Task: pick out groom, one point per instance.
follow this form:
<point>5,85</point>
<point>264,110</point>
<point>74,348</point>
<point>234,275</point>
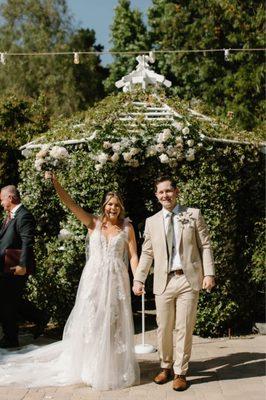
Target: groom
<point>178,242</point>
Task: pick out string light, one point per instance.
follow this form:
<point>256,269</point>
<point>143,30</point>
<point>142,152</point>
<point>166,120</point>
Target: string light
<point>2,58</point>
<point>76,58</point>
<point>204,51</point>
<point>227,54</point>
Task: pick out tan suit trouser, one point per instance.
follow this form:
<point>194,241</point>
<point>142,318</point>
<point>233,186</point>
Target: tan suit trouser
<point>176,310</point>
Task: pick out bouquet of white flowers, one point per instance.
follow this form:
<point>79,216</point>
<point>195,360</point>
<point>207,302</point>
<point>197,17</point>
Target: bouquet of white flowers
<point>50,158</point>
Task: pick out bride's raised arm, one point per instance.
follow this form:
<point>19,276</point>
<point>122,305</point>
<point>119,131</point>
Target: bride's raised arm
<point>83,216</point>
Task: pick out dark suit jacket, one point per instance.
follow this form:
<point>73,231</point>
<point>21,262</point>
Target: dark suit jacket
<point>19,234</point>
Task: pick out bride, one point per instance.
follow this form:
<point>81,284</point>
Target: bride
<point>97,346</point>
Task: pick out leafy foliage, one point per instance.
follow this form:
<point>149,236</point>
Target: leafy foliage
<point>224,181</point>
<point>20,119</point>
<point>45,26</point>
<point>234,86</point>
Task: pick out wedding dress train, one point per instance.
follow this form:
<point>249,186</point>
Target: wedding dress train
<point>97,346</point>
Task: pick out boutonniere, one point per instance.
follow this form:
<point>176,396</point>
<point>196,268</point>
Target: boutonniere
<point>185,218</point>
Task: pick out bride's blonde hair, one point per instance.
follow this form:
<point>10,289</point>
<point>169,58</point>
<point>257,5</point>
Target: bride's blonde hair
<point>106,198</point>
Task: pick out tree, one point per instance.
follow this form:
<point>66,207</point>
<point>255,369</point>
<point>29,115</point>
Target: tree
<point>20,119</point>
<point>128,33</point>
<point>235,85</point>
<point>45,26</point>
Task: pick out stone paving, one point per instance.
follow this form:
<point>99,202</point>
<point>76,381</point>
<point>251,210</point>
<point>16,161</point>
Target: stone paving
<point>220,369</point>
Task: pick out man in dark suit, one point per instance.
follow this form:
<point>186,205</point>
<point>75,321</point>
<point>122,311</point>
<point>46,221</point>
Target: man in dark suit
<point>17,232</point>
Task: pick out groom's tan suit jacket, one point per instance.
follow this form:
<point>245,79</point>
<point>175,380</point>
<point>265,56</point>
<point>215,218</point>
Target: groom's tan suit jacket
<point>193,243</point>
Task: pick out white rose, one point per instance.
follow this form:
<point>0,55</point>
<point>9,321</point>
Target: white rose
<point>127,156</point>
<point>107,145</point>
<point>164,158</point>
<point>178,125</point>
<point>190,142</point>
<point>116,147</point>
<point>185,131</point>
<point>102,158</point>
<point>115,157</point>
<point>159,148</point>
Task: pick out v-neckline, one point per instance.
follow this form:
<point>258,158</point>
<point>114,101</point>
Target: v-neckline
<point>110,237</point>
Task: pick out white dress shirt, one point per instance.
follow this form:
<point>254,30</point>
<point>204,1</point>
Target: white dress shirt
<point>13,211</point>
<point>175,260</point>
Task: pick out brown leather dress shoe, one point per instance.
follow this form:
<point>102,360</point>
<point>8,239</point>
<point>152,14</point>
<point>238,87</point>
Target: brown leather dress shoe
<point>163,376</point>
<point>180,383</point>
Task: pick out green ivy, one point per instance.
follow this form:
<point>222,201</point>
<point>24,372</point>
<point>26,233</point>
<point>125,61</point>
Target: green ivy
<point>225,180</point>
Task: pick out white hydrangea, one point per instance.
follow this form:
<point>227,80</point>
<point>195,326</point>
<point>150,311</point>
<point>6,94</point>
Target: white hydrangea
<point>164,158</point>
<point>185,130</point>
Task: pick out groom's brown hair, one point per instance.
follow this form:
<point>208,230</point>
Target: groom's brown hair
<point>163,178</point>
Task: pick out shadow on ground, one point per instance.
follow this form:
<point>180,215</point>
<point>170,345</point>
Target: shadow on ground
<point>233,366</point>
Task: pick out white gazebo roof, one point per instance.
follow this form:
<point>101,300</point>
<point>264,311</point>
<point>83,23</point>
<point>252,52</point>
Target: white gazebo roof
<point>152,111</point>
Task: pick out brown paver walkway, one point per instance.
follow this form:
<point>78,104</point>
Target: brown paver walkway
<point>220,369</point>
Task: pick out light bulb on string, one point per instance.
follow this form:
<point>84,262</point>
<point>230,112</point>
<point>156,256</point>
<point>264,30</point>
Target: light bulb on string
<point>2,58</point>
<point>76,57</point>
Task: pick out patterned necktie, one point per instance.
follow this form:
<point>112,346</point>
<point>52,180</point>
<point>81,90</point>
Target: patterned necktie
<point>169,238</point>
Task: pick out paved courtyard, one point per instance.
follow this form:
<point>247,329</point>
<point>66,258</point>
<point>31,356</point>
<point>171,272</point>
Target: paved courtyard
<point>220,369</point>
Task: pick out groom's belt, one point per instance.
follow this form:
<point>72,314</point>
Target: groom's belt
<point>176,272</point>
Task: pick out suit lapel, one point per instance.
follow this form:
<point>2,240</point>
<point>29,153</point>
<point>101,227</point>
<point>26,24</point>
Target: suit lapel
<point>161,230</point>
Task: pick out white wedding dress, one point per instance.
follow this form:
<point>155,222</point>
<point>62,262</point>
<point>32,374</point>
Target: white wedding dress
<point>97,346</point>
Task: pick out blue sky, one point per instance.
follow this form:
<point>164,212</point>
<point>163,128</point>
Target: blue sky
<point>98,15</point>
